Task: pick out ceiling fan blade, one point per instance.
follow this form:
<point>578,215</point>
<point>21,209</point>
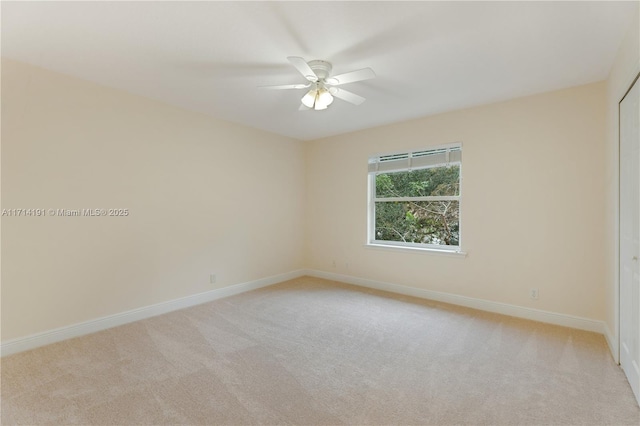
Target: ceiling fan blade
<point>345,95</point>
<point>303,68</point>
<point>351,77</point>
<point>303,107</point>
<point>286,86</point>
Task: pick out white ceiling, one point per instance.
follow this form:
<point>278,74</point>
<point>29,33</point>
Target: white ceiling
<point>429,57</point>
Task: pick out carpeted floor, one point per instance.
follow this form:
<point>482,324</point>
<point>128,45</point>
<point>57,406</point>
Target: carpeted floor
<point>315,352</point>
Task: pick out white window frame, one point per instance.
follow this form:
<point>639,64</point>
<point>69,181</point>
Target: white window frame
<point>406,161</point>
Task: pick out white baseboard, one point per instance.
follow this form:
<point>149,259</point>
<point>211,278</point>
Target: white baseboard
<point>470,302</point>
<point>76,330</point>
<point>612,341</point>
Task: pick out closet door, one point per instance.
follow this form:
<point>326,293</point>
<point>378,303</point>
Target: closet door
<point>630,236</point>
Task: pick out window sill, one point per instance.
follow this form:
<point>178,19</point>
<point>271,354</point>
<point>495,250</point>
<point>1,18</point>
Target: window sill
<point>451,253</point>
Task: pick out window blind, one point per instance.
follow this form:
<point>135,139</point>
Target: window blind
<point>416,160</point>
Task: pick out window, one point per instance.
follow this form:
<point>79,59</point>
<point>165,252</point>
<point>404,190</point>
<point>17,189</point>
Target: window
<point>414,199</point>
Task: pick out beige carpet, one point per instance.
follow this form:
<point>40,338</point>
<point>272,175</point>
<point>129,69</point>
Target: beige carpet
<point>312,352</point>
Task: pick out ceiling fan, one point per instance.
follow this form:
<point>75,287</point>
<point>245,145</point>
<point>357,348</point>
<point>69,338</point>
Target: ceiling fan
<point>321,83</point>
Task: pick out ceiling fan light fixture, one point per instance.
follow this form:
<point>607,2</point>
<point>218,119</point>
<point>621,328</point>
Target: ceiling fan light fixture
<point>320,107</point>
<point>309,99</point>
<point>324,97</point>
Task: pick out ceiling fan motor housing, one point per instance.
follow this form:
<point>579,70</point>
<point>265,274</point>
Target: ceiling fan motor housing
<point>321,68</point>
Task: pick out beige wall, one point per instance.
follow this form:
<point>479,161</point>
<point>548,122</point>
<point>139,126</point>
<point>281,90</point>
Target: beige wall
<point>624,70</point>
<point>532,212</point>
<point>205,196</point>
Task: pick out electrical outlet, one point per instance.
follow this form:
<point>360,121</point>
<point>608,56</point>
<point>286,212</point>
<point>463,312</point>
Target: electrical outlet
<point>212,279</point>
<point>533,293</point>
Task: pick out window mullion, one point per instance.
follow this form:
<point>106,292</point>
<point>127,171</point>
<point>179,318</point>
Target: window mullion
<point>425,198</point>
